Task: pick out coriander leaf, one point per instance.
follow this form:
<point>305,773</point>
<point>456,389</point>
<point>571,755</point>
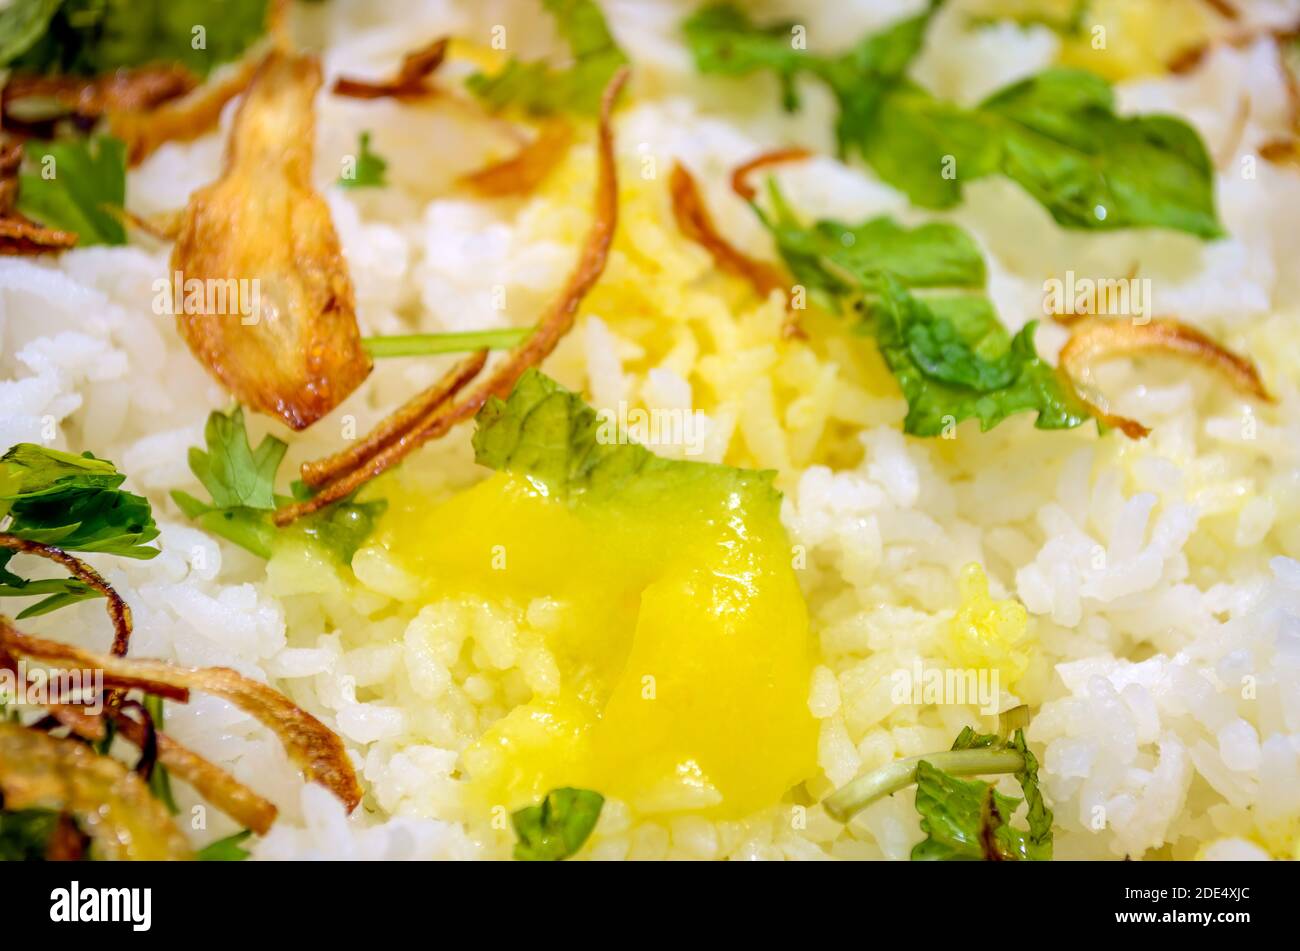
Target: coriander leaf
<point>73,185</point>
<point>241,483</point>
<point>25,834</point>
<point>370,170</point>
<point>724,40</point>
<point>540,89</point>
<point>92,37</point>
<point>553,437</point>
<point>229,849</point>
<point>1038,844</point>
<point>556,828</point>
<point>235,474</point>
<point>39,471</point>
<point>22,23</point>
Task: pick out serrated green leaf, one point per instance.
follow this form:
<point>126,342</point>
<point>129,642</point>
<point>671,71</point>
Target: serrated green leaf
<point>77,186</point>
<point>371,168</point>
<point>538,88</point>
<point>556,828</point>
<point>236,475</point>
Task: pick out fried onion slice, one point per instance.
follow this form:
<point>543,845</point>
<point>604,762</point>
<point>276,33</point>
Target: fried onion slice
<point>262,223</point>
<point>694,221</point>
<point>1096,341</point>
<point>22,236</point>
<point>119,612</point>
<point>523,172</point>
<point>411,81</point>
<point>551,328</point>
<point>740,174</point>
<point>184,118</point>
<point>111,804</point>
<point>140,89</point>
<point>309,743</point>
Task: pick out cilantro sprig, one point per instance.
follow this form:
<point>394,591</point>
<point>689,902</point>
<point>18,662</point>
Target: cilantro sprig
<point>539,88</point>
<point>78,186</point>
<point>371,169</point>
<point>1056,134</point>
<point>963,819</point>
<point>557,827</point>
<point>240,482</point>
<point>71,502</point>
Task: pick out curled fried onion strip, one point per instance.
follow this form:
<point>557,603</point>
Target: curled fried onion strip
<point>523,172</point>
<point>554,324</point>
<point>409,416</point>
<point>309,743</point>
<point>21,236</point>
<point>1100,340</point>
<point>118,610</point>
<point>410,81</point>
<point>740,174</point>
<point>184,118</point>
<point>112,805</point>
<point>694,221</point>
<point>125,90</point>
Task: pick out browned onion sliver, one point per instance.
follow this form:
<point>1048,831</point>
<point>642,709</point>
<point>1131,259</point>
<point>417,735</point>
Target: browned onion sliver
<point>555,323</point>
<point>410,81</point>
<point>1097,340</point>
<point>523,172</point>
<point>740,174</point>
<point>309,743</point>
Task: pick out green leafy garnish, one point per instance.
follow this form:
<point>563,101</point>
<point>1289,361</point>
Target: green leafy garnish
<point>370,170</point>
<point>550,435</point>
<point>1056,134</point>
<point>969,819</point>
<point>91,37</point>
<point>241,483</point>
<point>539,88</point>
<point>74,503</point>
<point>557,827</point>
<point>229,849</point>
<point>25,834</point>
<point>73,186</point>
<point>951,355</point>
<point>160,781</point>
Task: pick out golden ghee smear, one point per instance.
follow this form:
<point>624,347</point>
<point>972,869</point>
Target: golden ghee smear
<point>676,625</point>
<point>987,634</point>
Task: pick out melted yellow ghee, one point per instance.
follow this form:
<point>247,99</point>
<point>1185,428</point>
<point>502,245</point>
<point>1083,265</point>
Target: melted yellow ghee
<point>678,629</point>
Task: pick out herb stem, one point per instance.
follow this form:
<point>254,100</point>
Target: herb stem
<point>850,799</point>
<point>419,345</point>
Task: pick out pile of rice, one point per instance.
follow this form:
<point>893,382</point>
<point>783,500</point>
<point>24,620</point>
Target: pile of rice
<point>1163,643</point>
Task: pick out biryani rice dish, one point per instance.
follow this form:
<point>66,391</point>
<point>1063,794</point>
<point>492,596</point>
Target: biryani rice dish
<point>854,533</point>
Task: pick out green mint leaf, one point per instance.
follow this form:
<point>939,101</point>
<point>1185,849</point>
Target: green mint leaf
<point>557,827</point>
<point>73,185</point>
<point>540,89</point>
<point>962,819</point>
<point>91,37</point>
<point>229,849</point>
<point>1056,134</point>
<point>22,23</point>
<point>25,834</point>
<point>371,168</point>
<point>550,435</point>
<point>954,361</point>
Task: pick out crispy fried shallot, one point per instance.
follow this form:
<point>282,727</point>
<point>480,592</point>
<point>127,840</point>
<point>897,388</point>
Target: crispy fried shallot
<point>1099,340</point>
<point>740,174</point>
<point>111,804</point>
<point>696,223</point>
<point>118,610</point>
<point>411,81</point>
<point>553,325</point>
<point>309,743</point>
<point>184,118</point>
<point>410,414</point>
<point>523,172</point>
<point>263,226</point>
<point>21,236</point>
<point>135,90</point>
